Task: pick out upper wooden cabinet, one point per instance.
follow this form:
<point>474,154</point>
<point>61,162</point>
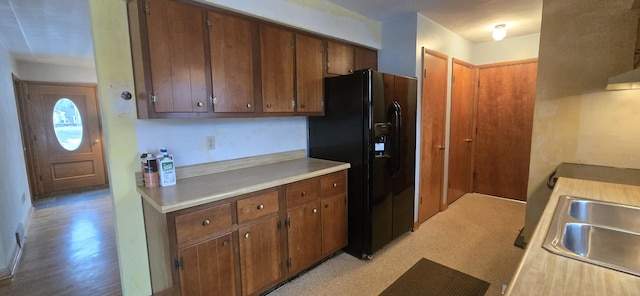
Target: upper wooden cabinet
<point>231,52</point>
<point>366,59</point>
<point>194,61</point>
<point>168,57</point>
<point>340,58</point>
<point>277,60</point>
<point>309,74</point>
<point>343,58</point>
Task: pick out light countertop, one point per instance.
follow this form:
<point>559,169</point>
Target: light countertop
<point>198,190</point>
<point>543,273</point>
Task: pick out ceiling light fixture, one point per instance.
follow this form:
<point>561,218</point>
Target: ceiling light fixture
<point>499,32</point>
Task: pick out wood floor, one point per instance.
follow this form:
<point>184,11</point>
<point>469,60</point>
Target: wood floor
<point>69,250</point>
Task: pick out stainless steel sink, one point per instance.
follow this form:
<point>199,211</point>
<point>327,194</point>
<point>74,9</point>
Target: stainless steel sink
<point>605,214</point>
<point>601,233</point>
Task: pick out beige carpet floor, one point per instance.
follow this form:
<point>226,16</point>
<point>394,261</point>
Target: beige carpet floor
<point>474,235</point>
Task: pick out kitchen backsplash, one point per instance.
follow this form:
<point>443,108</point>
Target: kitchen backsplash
<point>234,138</point>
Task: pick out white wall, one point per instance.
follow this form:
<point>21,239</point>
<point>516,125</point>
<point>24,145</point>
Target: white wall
<point>124,133</point>
<point>509,49</point>
<point>32,71</point>
<point>234,137</point>
<point>397,55</point>
<point>13,175</point>
<point>582,44</point>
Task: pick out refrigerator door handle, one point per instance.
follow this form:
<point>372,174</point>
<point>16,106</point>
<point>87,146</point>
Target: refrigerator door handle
<point>394,115</point>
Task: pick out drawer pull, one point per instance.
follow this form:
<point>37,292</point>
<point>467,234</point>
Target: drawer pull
<point>335,184</point>
<point>246,235</point>
<point>260,207</point>
<point>303,193</point>
<point>206,222</point>
<point>315,210</point>
<point>225,243</point>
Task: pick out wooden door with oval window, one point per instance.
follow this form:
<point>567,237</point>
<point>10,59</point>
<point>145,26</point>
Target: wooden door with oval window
<point>64,132</point>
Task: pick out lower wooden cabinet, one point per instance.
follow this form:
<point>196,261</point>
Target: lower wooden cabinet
<point>246,245</point>
<point>303,236</point>
<point>334,223</point>
<point>260,261</point>
<point>208,268</point>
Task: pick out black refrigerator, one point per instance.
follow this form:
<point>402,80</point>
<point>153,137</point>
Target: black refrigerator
<point>370,122</point>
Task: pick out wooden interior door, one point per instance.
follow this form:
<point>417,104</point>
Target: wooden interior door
<point>68,143</point>
<point>461,131</point>
<point>506,96</point>
<point>434,98</point>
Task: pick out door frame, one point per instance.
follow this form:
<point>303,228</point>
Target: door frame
<point>32,162</point>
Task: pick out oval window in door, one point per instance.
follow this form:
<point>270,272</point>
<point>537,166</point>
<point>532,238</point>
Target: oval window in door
<point>67,124</point>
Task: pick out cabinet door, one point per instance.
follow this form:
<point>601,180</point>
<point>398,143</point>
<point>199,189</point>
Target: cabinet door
<point>309,74</point>
<point>260,261</point>
<point>230,42</point>
<point>277,54</point>
<point>207,268</point>
<point>340,60</point>
<point>334,223</point>
<point>366,59</point>
<point>303,235</point>
<point>177,58</point>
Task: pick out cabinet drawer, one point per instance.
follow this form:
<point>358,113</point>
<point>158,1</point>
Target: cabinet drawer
<point>302,192</point>
<point>257,206</point>
<point>333,184</point>
<point>200,223</point>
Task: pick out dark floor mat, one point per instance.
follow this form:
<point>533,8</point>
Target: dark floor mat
<point>427,278</point>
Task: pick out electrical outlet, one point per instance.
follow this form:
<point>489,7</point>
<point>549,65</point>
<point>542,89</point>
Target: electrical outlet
<point>211,143</point>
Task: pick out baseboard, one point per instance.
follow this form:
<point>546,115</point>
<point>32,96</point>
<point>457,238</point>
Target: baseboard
<point>7,273</point>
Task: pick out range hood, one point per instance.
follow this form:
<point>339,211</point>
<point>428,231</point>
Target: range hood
<point>627,80</point>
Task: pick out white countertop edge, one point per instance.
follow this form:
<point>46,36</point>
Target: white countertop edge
<point>244,190</point>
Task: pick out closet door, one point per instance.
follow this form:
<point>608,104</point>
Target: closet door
<point>461,131</point>
<point>434,98</point>
<point>506,95</point>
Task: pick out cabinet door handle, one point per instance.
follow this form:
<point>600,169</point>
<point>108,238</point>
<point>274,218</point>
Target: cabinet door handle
<point>225,243</point>
<point>200,104</point>
<point>303,193</point>
<point>468,140</point>
<point>301,106</point>
<point>248,105</point>
<point>335,184</point>
<point>268,105</point>
<point>246,235</point>
<point>260,207</point>
<point>315,211</point>
<point>326,206</point>
<point>206,222</point>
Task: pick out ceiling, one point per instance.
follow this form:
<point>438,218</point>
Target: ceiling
<point>471,19</point>
<point>59,32</point>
